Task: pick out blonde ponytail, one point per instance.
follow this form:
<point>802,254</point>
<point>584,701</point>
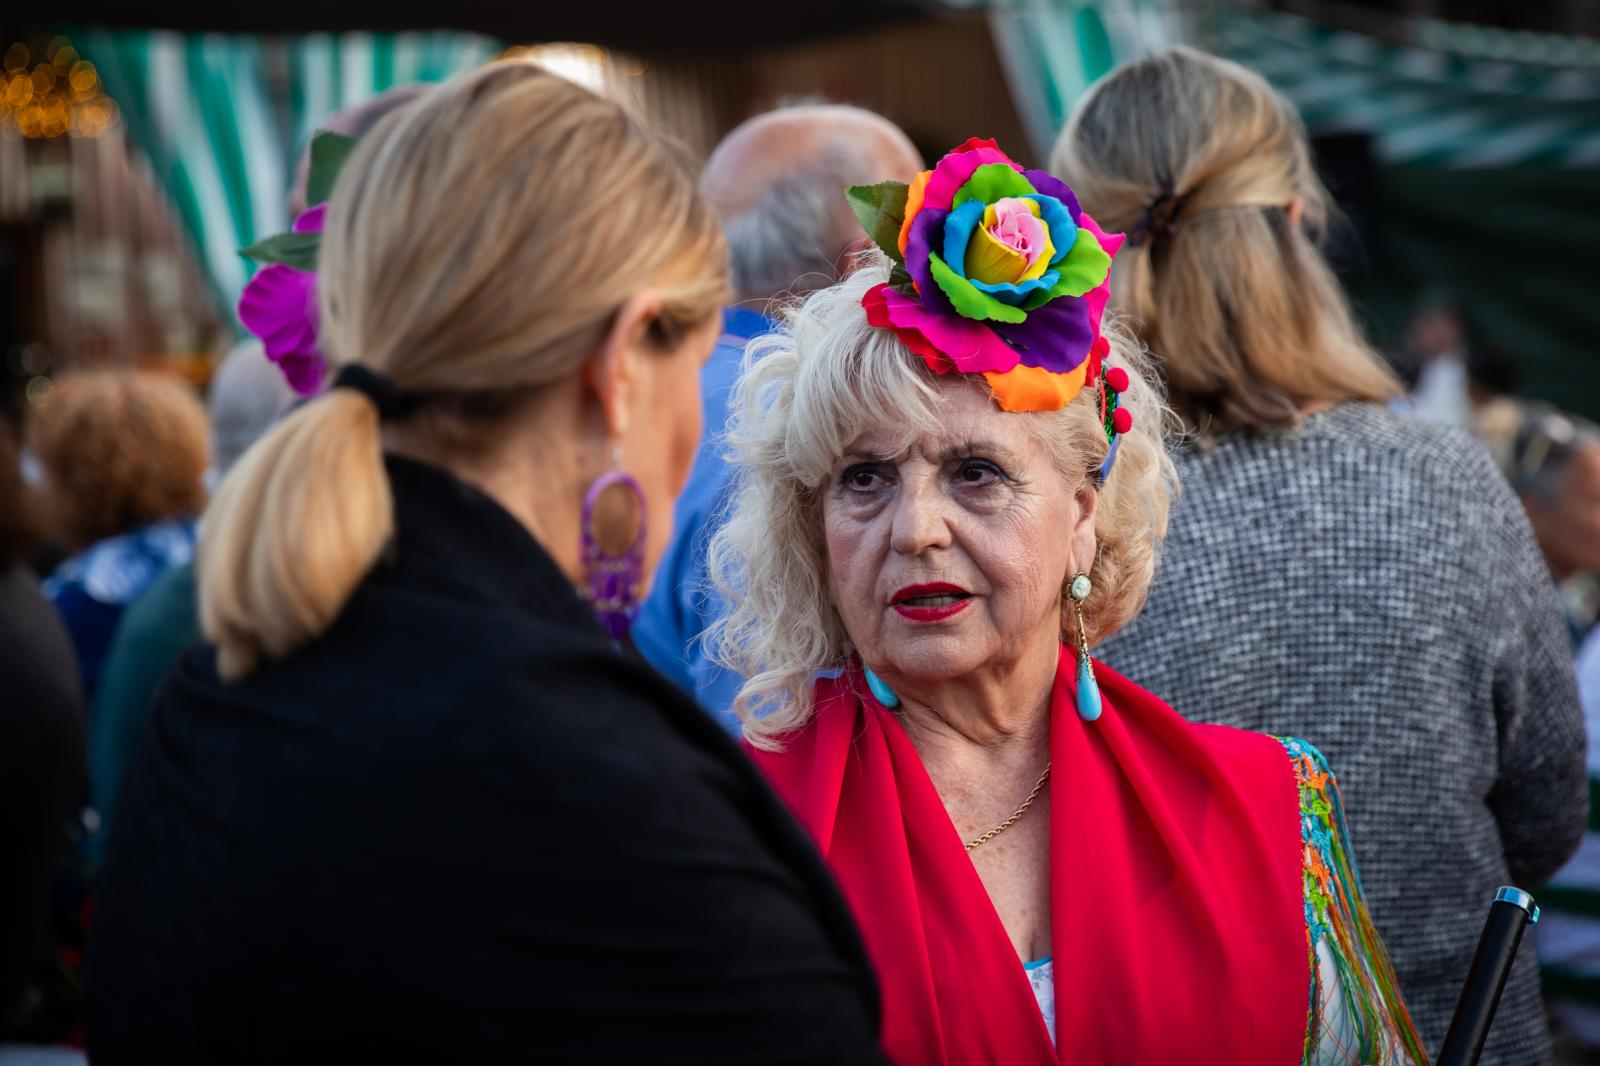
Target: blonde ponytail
<point>294,527</point>
<point>477,244</point>
<point>1243,314</point>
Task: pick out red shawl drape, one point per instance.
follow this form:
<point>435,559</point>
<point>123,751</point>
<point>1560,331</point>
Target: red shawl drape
<point>1177,913</point>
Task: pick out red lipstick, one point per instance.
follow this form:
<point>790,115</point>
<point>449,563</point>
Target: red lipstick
<point>932,602</point>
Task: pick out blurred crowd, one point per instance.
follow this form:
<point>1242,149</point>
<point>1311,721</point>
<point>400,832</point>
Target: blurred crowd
<point>1444,700</point>
<point>1551,459</point>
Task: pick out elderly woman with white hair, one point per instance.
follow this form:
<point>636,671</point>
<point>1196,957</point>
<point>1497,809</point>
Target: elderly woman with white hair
<point>954,483</point>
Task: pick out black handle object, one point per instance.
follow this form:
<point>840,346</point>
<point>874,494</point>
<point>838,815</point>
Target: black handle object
<point>1512,911</point>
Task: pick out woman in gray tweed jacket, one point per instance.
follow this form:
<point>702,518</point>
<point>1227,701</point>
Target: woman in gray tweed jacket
<point>1332,571</point>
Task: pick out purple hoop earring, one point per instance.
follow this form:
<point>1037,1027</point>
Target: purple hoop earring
<point>614,580</point>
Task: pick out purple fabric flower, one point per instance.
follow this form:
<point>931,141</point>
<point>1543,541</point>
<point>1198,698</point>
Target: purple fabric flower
<point>927,235</point>
<point>1051,185</point>
<point>279,305</point>
<point>1055,337</point>
<point>311,219</point>
<point>1010,276</point>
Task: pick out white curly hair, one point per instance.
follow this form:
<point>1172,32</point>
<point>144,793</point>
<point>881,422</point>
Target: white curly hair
<point>811,388</point>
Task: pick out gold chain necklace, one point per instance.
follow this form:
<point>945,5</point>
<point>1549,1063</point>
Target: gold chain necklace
<point>1016,814</point>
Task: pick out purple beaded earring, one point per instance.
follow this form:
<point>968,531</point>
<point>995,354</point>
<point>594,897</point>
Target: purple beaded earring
<point>614,579</point>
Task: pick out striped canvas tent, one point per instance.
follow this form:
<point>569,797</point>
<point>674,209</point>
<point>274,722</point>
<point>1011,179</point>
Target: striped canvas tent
<point>1054,49</point>
<point>1487,151</point>
<point>1468,99</point>
<point>223,118</point>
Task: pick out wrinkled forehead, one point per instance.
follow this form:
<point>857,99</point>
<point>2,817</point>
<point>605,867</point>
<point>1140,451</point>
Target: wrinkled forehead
<point>858,390</point>
<point>965,421</point>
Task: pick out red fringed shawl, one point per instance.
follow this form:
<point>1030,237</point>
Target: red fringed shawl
<point>1177,910</point>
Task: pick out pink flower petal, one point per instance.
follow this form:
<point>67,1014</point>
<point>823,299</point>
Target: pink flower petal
<point>1097,298</point>
<point>1110,243</point>
<point>972,346</point>
<point>1018,228</point>
<point>304,373</point>
<point>953,171</point>
<point>311,219</point>
<point>279,305</point>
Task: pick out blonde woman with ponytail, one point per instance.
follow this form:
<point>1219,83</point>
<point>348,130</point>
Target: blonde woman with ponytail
<point>414,802</point>
<point>1333,570</point>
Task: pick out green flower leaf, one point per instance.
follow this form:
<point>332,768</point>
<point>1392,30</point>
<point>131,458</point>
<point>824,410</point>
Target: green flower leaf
<point>298,250</point>
<point>882,211</point>
<point>329,151</point>
<point>899,278</point>
<point>969,301</point>
<point>991,182</point>
<point>1083,268</point>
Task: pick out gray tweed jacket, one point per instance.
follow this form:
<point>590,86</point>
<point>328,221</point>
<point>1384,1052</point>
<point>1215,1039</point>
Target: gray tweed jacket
<point>1370,584</point>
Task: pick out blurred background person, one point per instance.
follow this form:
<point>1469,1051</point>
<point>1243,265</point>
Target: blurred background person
<point>1555,468</point>
<point>355,121</point>
<point>1492,380</point>
<point>123,455</point>
<point>1437,363</point>
<point>41,768</point>
<point>1333,570</point>
<point>415,804</point>
<point>1569,942</point>
<point>247,395</point>
<point>777,183</point>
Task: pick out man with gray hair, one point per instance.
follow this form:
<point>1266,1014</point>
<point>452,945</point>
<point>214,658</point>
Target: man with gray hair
<point>1554,465</point>
<point>777,182</point>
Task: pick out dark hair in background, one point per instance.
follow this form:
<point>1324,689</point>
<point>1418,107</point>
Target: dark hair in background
<point>19,530</point>
<point>1491,368</point>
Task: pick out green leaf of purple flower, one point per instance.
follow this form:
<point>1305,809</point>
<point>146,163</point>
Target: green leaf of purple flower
<point>329,151</point>
<point>298,250</point>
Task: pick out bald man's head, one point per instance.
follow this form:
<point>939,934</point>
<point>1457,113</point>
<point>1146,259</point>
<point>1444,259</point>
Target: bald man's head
<point>778,182</point>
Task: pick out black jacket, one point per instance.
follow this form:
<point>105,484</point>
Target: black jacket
<point>461,827</point>
<point>41,779</point>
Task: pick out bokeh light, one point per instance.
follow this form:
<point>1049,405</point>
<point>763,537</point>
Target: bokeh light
<point>56,97</point>
<point>582,63</point>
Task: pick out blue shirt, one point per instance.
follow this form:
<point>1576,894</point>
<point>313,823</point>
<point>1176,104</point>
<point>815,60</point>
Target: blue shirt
<point>91,589</point>
<point>681,604</point>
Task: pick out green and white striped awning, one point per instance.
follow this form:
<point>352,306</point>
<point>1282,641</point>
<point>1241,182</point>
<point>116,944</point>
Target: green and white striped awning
<point>1053,50</point>
<point>223,118</point>
<point>1462,96</point>
<point>1463,104</point>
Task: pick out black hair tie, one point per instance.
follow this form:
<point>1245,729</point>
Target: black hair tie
<point>1160,219</point>
<point>375,386</point>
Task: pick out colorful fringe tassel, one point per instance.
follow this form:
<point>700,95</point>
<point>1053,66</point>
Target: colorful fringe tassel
<point>1368,994</point>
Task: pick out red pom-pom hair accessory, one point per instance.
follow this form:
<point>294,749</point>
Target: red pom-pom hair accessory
<point>1115,418</point>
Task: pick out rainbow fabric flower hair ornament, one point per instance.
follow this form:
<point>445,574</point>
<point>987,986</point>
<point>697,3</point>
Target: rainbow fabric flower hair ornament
<point>998,272</point>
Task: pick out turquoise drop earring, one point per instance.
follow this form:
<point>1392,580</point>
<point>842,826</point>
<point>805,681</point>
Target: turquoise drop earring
<point>881,691</point>
<point>1089,706</point>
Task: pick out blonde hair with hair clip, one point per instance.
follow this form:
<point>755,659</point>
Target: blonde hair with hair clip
<point>477,245</point>
<point>809,390</point>
<point>1238,306</point>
